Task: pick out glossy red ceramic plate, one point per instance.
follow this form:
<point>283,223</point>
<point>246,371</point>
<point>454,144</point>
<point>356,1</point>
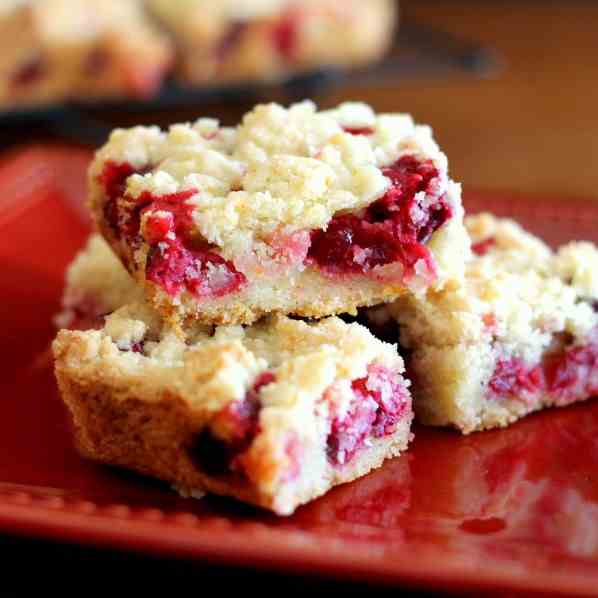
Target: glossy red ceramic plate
<point>506,511</point>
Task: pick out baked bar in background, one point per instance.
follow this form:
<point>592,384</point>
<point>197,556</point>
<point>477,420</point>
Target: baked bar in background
<point>227,40</point>
<point>294,211</point>
<point>59,50</point>
<point>274,414</point>
<point>521,334</point>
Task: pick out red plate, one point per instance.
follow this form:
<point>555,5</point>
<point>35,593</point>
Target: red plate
<point>513,510</point>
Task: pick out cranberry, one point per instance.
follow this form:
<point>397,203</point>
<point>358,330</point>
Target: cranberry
<point>174,266</point>
<point>29,73</point>
<point>512,376</point>
<point>483,247</point>
<point>392,229</point>
<point>113,180</point>
<point>351,244</point>
<point>359,130</point>
<point>285,35</point>
<point>566,374</point>
<point>218,456</point>
<point>570,367</point>
<point>138,346</point>
<point>176,260</point>
<point>178,214</point>
<point>157,227</point>
<point>114,176</point>
<point>348,434</point>
<point>378,404</point>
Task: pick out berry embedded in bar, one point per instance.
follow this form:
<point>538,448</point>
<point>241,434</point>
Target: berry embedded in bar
<point>274,414</point>
<point>521,334</point>
<point>294,211</point>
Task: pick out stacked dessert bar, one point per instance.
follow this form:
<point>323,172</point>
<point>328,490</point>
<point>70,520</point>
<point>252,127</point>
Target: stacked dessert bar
<point>201,338</point>
<point>518,334</point>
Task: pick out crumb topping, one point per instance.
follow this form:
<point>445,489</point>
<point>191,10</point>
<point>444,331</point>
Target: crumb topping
<point>282,168</point>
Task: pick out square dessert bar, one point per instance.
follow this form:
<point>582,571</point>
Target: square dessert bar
<point>230,40</point>
<point>294,211</point>
<point>96,285</point>
<point>58,50</point>
<point>520,334</point>
<point>274,414</point>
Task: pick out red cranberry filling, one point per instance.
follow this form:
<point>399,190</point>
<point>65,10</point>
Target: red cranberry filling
<point>512,376</point>
<point>136,347</point>
<point>358,130</point>
<point>575,369</point>
<point>218,456</point>
<point>567,374</point>
<point>176,266</point>
<point>29,73</point>
<point>113,179</point>
<point>379,402</point>
<point>285,35</point>
<point>392,229</point>
<point>175,261</point>
<point>483,247</point>
<point>170,213</point>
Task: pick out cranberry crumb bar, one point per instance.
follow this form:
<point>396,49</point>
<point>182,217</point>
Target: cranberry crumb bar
<point>521,333</point>
<point>293,211</point>
<point>58,50</point>
<point>256,39</point>
<point>96,285</point>
<point>274,414</point>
